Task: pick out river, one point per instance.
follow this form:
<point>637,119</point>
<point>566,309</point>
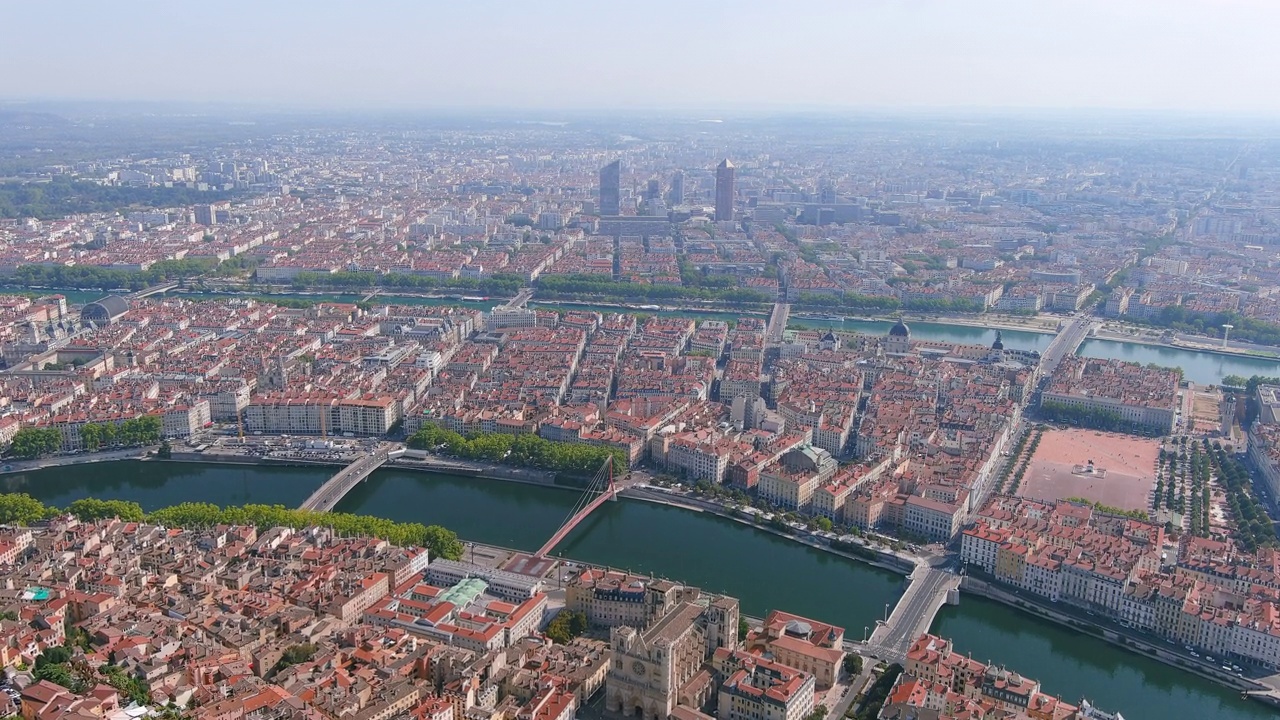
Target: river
<point>763,570</point>
<point>1206,368</point>
<point>1201,367</point>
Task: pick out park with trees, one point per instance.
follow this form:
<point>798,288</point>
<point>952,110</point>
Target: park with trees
<point>525,450</point>
<point>566,626</point>
<point>22,509</point>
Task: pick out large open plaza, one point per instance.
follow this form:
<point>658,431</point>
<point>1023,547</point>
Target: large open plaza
<point>1122,475</point>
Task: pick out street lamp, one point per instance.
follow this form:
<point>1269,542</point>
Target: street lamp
<point>886,613</point>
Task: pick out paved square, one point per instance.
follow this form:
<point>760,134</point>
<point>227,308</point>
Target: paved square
<point>1125,468</point>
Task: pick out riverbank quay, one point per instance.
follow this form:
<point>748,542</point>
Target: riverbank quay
<point>467,468</point>
<point>1044,324</point>
<point>1256,352</point>
<point>883,558</point>
<point>636,307</point>
<point>21,466</point>
<point>1265,689</point>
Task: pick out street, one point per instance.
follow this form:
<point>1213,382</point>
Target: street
<point>891,639</point>
<point>1066,342</point>
<point>332,492</point>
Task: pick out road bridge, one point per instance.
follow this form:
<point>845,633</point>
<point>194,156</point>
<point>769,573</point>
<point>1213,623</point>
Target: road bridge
<point>914,612</point>
<point>328,495</point>
<point>520,300</point>
<point>602,488</point>
<point>154,290</point>
<point>1065,343</point>
<point>777,323</point>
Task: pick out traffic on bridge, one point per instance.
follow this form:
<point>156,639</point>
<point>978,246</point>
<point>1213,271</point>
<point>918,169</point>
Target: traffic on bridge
<point>327,497</point>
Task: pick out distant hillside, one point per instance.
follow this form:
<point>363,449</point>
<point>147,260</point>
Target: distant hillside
<point>24,118</point>
<point>61,197</point>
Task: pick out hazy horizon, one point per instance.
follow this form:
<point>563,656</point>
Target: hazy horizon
<point>1211,57</point>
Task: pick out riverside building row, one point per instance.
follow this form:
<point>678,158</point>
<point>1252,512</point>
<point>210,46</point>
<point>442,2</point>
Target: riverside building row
<point>1198,592</point>
<point>331,369</point>
<point>940,683</point>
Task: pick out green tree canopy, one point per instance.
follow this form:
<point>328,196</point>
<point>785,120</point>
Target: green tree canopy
<point>21,509</point>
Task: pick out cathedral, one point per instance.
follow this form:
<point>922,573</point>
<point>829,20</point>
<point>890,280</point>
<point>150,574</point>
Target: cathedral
<point>655,669</point>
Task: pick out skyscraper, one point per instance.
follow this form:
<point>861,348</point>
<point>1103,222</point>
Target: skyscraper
<point>724,191</point>
<point>611,188</point>
<point>206,215</point>
<point>676,194</point>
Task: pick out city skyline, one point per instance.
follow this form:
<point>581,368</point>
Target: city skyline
<point>1187,55</point>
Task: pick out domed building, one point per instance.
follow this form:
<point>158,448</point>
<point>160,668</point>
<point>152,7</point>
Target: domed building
<point>106,311</point>
<point>899,340</point>
<point>829,342</point>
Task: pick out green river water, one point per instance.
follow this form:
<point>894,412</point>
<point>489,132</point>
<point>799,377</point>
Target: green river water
<point>763,570</point>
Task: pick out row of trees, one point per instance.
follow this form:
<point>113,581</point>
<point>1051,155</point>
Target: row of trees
<point>32,442</point>
<point>1110,509</point>
<point>523,450</point>
<point>1092,418</point>
<point>439,540</point>
<point>941,305</point>
<point>1021,457</point>
<point>496,285</point>
<point>576,287</point>
<point>1250,384</point>
<point>850,301</point>
<point>1252,526</point>
<point>1199,493</point>
<point>93,509</point>
<point>92,276</point>
<point>1246,329</point>
<point>1182,484</point>
<point>22,509</point>
<point>782,519</point>
<point>143,430</point>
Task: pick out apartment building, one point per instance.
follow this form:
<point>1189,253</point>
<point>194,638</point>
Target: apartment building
<point>1146,397</point>
<point>185,420</point>
<point>757,688</point>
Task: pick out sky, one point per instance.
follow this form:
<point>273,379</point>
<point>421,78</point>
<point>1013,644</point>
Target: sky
<point>1200,56</point>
